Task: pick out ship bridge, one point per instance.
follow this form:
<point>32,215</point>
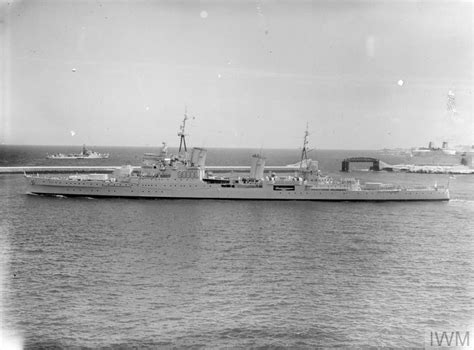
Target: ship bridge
<point>375,163</point>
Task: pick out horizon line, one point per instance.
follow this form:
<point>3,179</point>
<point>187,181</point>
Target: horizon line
<point>226,147</point>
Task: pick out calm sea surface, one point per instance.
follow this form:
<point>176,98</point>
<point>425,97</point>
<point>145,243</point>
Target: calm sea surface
<point>120,273</point>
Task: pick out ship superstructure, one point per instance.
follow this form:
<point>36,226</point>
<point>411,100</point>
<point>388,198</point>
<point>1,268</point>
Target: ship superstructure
<point>184,176</point>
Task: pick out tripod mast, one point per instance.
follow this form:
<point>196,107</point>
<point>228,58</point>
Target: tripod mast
<point>304,151</point>
<point>181,133</point>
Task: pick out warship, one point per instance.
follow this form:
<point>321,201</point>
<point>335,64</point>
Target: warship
<point>85,154</point>
<point>184,176</point>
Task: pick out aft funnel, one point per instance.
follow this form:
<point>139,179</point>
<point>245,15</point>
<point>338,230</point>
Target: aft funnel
<point>313,165</point>
<point>257,166</point>
<point>198,157</point>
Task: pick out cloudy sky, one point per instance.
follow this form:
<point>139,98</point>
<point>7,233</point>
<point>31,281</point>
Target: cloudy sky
<point>363,74</point>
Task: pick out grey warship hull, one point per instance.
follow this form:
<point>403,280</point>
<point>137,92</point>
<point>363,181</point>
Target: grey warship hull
<point>155,188</point>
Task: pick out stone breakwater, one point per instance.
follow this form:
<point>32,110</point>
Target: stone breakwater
<point>430,169</point>
<point>57,169</point>
<point>110,169</point>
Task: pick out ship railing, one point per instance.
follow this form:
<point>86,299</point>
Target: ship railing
<point>425,188</point>
<point>381,187</point>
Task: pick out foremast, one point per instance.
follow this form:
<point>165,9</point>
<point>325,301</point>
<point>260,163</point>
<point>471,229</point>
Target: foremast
<point>182,134</point>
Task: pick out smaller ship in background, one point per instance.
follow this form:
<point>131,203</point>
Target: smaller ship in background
<point>432,150</point>
<point>433,155</point>
<point>85,154</point>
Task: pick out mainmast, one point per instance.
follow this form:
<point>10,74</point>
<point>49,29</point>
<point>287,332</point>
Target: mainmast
<point>304,151</point>
<point>181,134</point>
<point>451,104</point>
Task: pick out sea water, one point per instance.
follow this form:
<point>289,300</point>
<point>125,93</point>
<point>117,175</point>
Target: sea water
<point>123,273</point>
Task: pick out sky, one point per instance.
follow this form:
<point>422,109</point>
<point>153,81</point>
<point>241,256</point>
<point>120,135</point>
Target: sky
<point>361,74</point>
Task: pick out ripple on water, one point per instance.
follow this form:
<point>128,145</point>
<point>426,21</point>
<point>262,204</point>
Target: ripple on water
<point>122,273</point>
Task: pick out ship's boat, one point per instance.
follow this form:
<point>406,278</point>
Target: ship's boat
<point>85,154</point>
<point>184,176</point>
